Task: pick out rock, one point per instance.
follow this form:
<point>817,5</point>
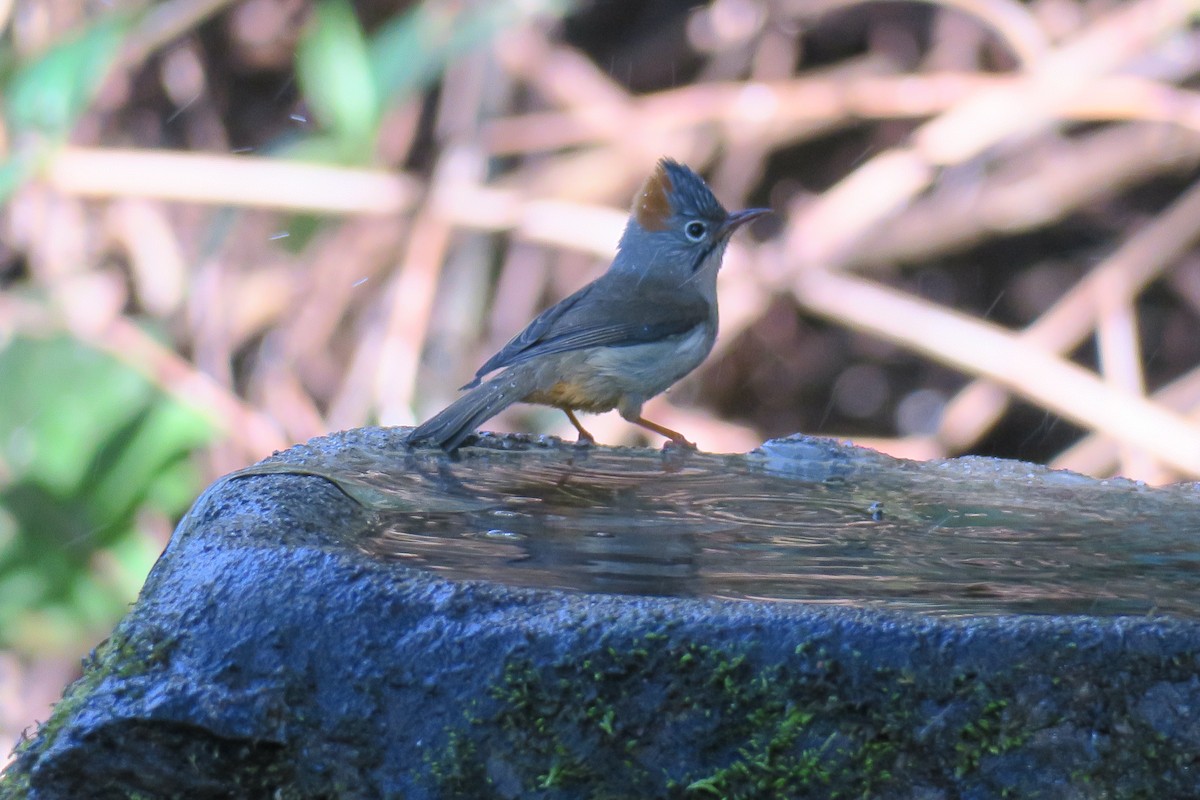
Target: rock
<point>279,651</point>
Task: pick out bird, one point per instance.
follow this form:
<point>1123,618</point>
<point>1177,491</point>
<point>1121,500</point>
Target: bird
<point>647,321</point>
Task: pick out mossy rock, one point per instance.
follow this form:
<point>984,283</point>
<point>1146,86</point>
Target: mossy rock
<point>271,656</point>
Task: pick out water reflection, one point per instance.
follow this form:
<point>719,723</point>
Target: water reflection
<point>883,534</point>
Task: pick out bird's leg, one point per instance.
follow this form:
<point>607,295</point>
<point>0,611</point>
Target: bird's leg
<point>675,436</point>
<point>584,436</point>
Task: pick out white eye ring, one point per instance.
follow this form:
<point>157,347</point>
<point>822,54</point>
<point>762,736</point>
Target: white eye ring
<point>695,230</point>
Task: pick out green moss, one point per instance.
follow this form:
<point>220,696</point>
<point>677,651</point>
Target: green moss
<point>16,779</point>
<point>459,772</point>
<point>657,717</point>
<point>984,735</point>
<point>119,655</point>
<point>113,655</point>
<point>558,727</point>
<point>812,724</point>
<point>252,768</point>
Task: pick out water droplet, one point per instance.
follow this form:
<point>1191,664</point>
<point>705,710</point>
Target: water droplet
<point>497,533</point>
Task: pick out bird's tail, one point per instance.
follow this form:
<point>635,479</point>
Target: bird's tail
<point>457,421</point>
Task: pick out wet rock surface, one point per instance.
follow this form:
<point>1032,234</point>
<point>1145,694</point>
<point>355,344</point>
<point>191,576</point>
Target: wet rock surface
<point>317,628</point>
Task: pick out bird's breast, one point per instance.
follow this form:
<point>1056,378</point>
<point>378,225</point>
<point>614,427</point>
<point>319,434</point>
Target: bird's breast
<point>651,368</point>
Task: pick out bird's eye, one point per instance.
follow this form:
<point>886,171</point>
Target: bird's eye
<point>695,230</point>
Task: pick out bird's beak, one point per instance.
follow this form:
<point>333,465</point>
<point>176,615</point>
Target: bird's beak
<point>739,218</point>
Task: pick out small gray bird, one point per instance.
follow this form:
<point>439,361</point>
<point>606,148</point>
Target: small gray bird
<point>625,337</point>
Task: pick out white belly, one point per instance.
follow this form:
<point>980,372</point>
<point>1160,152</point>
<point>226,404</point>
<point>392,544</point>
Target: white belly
<point>644,370</point>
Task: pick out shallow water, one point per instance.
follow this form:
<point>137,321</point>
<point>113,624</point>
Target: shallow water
<point>793,523</point>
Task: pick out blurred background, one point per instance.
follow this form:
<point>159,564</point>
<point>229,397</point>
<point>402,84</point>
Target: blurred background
<point>231,226</point>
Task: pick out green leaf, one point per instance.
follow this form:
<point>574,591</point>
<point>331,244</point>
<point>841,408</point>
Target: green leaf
<point>88,444</point>
<point>43,98</point>
<point>410,51</point>
<point>335,75</point>
<point>50,92</point>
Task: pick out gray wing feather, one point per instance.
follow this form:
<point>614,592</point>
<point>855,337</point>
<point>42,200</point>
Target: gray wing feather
<point>654,313</point>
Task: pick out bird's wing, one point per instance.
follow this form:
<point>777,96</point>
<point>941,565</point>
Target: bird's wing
<point>529,338</point>
<point>592,317</point>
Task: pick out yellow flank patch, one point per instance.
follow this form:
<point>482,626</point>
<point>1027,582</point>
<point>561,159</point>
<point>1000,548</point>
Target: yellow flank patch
<point>570,395</point>
<point>652,206</point>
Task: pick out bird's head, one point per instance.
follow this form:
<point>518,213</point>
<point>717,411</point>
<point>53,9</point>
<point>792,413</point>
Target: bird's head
<point>677,225</point>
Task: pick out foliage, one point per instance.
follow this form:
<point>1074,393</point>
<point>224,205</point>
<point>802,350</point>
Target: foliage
<point>43,97</point>
<point>93,451</point>
<point>349,80</point>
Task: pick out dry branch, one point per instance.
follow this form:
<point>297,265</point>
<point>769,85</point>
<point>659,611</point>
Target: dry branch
<point>229,180</point>
<point>884,185</point>
<point>981,348</point>
<point>1065,324</point>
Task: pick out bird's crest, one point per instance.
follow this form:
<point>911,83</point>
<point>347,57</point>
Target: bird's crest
<point>652,205</point>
